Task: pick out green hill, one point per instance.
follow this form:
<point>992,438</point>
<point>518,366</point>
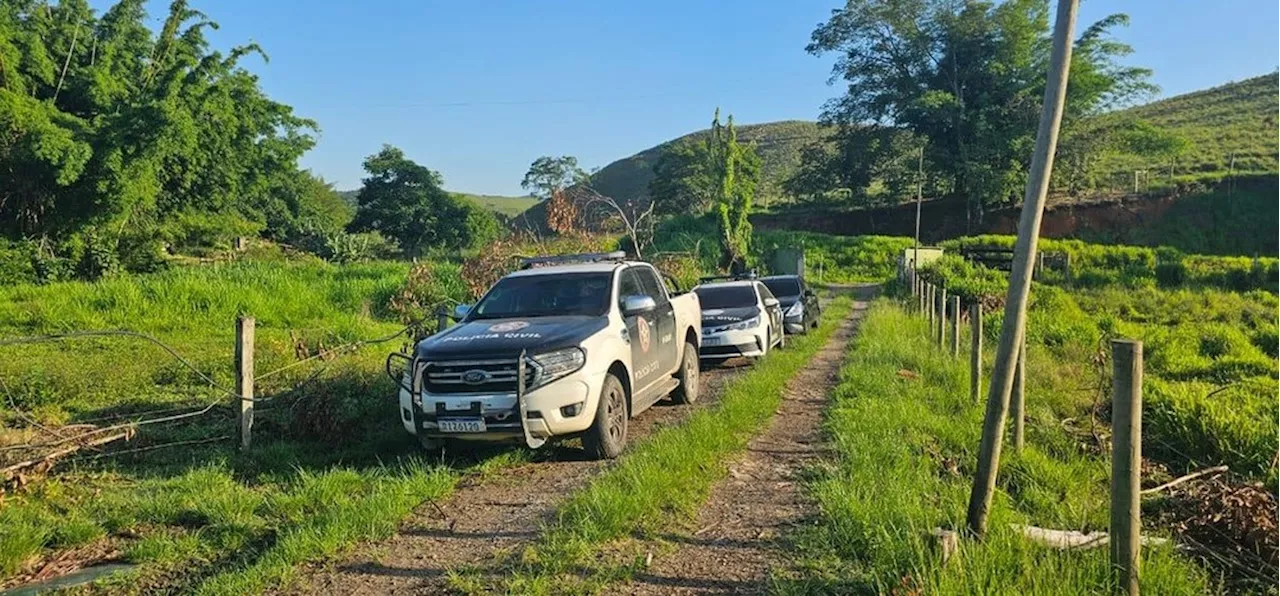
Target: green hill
<point>1237,120</point>
<point>502,205</point>
<point>778,144</point>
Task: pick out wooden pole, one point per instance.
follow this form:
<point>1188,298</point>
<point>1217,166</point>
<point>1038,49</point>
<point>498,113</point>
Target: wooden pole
<point>1126,462</point>
<point>942,317</point>
<point>928,303</point>
<point>1017,406</point>
<point>244,378</point>
<point>955,326</point>
<point>442,318</point>
<point>1015,309</point>
<point>975,351</point>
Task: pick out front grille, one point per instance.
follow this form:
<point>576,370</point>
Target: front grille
<point>496,376</point>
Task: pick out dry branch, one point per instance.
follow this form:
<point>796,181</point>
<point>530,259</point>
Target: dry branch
<point>10,471</point>
<point>1181,479</point>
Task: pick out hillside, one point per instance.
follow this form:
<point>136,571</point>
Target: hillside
<point>1237,118</point>
<point>778,144</point>
<point>502,205</point>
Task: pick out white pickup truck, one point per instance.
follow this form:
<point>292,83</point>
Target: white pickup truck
<point>567,346</point>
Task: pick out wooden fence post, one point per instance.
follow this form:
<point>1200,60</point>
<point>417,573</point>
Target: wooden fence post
<point>955,326</point>
<point>244,379</point>
<point>442,318</point>
<point>1018,402</point>
<point>1126,462</point>
<point>942,317</point>
<point>975,351</point>
<point>928,307</point>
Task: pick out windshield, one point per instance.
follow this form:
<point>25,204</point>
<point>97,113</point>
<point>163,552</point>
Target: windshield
<point>725,296</point>
<point>783,287</point>
<point>585,294</point>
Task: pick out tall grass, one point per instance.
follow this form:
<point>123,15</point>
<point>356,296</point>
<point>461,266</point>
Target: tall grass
<point>905,448</point>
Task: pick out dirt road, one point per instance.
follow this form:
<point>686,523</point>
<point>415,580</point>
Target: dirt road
<point>487,517</point>
<point>734,544</point>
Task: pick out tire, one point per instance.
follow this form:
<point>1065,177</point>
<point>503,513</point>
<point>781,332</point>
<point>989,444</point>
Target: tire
<point>782,339</point>
<point>608,433</point>
<point>768,343</point>
<point>689,376</point>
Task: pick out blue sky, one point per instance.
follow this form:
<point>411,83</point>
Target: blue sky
<point>478,89</point>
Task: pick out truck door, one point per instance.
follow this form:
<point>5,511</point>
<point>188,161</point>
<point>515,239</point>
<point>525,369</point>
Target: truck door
<point>642,331</point>
<point>666,314</point>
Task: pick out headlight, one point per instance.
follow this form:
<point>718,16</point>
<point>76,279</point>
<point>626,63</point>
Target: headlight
<point>795,310</point>
<point>554,365</point>
<point>747,324</point>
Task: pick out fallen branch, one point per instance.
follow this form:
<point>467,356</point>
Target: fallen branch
<point>1072,540</point>
<point>10,471</point>
<point>1192,476</point>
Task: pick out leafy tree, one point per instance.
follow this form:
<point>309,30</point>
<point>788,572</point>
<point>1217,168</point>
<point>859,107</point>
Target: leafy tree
<point>405,201</point>
<point>112,130</point>
<point>737,169</point>
<point>682,179</point>
<point>967,78</point>
<point>549,174</point>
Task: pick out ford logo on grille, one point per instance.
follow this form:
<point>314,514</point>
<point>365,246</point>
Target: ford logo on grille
<point>475,377</point>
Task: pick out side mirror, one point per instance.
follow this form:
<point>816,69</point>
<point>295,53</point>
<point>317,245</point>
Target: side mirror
<point>634,305</point>
<point>461,311</point>
<point>771,302</point>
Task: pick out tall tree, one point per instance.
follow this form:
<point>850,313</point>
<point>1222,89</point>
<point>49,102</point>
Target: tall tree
<point>737,169</point>
<point>967,78</point>
<point>405,201</point>
<point>547,175</point>
<point>107,125</point>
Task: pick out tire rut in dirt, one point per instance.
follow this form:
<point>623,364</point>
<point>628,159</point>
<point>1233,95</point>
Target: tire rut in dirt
<point>735,542</point>
<point>487,518</point>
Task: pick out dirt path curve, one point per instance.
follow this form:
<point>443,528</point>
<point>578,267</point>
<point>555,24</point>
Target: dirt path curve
<point>485,518</point>
<point>735,541</point>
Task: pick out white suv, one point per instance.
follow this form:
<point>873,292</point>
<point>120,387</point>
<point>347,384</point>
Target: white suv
<point>569,346</point>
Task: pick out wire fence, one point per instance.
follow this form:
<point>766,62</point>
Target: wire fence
<point>124,425</point>
<point>1234,551</point>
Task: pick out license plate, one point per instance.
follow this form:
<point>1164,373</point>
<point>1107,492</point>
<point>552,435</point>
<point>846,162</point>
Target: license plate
<point>462,425</point>
<point>712,341</point>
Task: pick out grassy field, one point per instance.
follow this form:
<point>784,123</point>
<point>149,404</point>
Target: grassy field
<point>1209,329</point>
<point>905,447</point>
<point>326,469</point>
<point>828,259</point>
<point>1227,128</point>
<point>658,484</point>
<point>503,205</point>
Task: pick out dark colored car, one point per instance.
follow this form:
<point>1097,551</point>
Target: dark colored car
<point>800,308</point>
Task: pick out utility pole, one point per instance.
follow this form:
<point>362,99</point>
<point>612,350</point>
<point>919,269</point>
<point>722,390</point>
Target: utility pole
<point>1015,310</point>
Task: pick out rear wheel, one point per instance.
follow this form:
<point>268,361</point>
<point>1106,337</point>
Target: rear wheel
<point>687,392</point>
<point>608,434</point>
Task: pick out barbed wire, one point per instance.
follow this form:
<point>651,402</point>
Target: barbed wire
<point>199,411</point>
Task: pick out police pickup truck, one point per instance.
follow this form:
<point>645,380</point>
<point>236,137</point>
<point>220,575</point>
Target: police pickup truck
<point>571,345</point>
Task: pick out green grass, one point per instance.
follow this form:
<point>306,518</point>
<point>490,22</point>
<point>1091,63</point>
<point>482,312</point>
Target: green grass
<point>828,259</point>
<point>1210,340</point>
<point>905,451</point>
<point>330,465</point>
<point>659,483</point>
<point>1237,118</point>
<point>502,205</point>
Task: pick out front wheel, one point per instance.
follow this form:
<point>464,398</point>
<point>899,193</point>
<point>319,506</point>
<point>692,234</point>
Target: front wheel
<point>608,433</point>
<point>687,392</point>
